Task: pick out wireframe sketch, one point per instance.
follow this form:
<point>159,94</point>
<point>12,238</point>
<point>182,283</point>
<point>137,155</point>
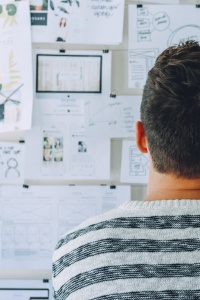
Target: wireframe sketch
<point>140,62</point>
<point>138,162</point>
<point>156,27</point>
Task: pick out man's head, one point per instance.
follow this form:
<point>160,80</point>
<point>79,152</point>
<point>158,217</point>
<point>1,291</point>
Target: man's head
<point>170,111</point>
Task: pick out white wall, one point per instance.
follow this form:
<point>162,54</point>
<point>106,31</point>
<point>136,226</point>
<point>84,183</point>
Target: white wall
<point>119,87</point>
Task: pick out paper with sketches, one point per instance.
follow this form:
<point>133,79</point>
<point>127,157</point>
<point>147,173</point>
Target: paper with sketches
<point>58,145</point>
<point>12,156</point>
<point>152,28</point>
<point>135,165</point>
<point>11,289</point>
<point>77,22</point>
<point>34,218</point>
<point>59,74</point>
<point>16,87</point>
<point>112,117</point>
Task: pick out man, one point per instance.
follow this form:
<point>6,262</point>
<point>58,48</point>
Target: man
<point>148,249</point>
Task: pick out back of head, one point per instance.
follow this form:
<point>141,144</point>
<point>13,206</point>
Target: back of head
<point>170,111</point>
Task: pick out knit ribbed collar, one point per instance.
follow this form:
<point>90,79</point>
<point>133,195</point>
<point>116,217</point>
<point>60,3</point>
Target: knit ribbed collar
<point>160,204</point>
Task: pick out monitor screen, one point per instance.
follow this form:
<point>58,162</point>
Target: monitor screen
<point>68,73</point>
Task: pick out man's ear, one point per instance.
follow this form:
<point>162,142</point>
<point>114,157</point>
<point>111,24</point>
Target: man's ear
<point>140,137</point>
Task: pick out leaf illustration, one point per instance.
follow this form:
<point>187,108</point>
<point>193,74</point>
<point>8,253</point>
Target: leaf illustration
<point>78,3</point>
<point>63,9</point>
<point>14,73</point>
<point>6,21</point>
<point>52,5</point>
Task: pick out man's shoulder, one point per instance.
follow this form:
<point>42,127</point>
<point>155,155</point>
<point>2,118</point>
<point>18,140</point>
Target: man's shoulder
<point>90,226</point>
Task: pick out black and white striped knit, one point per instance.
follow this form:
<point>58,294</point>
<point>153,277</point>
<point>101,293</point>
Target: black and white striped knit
<point>142,250</point>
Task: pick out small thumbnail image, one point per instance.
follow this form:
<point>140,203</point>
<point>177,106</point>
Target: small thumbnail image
<point>82,146</point>
<point>47,142</point>
<point>38,5</point>
<point>47,155</point>
<point>58,143</point>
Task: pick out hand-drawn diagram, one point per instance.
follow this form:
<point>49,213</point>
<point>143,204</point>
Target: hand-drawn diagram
<point>12,162</point>
<point>138,162</point>
<point>112,117</point>
<point>157,27</point>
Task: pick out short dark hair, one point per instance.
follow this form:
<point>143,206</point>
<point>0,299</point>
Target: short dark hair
<point>170,111</point>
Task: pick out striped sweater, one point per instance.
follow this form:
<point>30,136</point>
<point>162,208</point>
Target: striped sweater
<point>141,250</point>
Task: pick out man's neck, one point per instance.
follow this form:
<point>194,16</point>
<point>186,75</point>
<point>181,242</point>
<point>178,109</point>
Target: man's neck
<point>169,187</point>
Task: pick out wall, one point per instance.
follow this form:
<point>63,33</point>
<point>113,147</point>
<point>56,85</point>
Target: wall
<point>119,87</point>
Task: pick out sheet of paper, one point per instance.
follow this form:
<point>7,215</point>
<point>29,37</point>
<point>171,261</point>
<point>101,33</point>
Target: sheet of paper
<point>153,28</point>
<point>58,74</point>
<point>28,227</point>
<point>11,289</point>
<point>77,22</point>
<point>34,218</point>
<point>112,117</point>
<point>135,165</point>
<point>12,157</point>
<point>85,155</point>
<point>59,147</point>
<point>16,87</point>
<point>157,1</point>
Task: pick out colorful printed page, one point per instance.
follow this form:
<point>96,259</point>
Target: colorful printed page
<point>16,87</point>
<point>77,22</point>
<point>153,28</point>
